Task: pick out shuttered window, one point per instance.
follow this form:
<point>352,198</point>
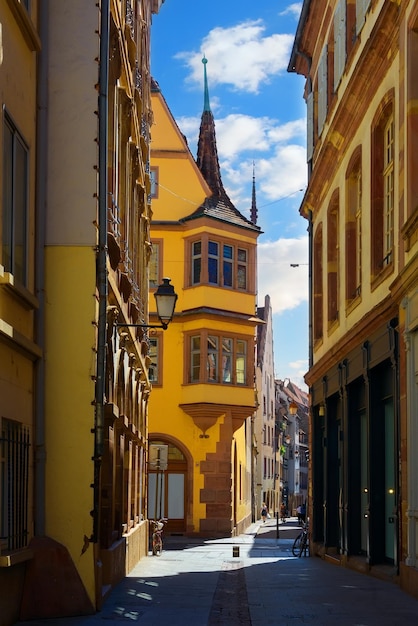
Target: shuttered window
<point>322,89</point>
<point>339,41</point>
<point>362,7</point>
<point>309,126</point>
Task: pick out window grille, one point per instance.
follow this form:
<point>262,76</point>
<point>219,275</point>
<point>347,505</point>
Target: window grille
<point>14,478</point>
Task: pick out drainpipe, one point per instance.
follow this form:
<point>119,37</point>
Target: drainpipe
<point>310,287</point>
<point>101,261</point>
<point>41,206</point>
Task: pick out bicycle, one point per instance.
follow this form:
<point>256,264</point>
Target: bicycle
<point>301,543</point>
<point>157,540</point>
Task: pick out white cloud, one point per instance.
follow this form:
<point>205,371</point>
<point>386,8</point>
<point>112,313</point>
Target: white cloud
<point>287,286</point>
<point>240,56</point>
<point>296,372</point>
<point>285,172</point>
<point>280,168</point>
<point>294,9</point>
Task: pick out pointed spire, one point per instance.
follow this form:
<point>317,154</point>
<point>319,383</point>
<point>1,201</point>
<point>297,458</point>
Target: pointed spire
<point>207,152</point>
<point>217,206</point>
<point>206,103</point>
<point>254,202</point>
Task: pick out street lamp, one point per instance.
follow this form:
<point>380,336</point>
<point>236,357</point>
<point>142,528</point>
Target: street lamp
<point>293,408</point>
<point>165,300</point>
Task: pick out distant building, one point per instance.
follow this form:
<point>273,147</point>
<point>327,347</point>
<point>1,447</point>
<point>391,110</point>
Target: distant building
<point>360,61</point>
<point>264,424</point>
<point>203,394</point>
<point>292,407</point>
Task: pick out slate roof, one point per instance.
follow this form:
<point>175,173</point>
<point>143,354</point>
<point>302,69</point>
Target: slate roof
<point>218,206</point>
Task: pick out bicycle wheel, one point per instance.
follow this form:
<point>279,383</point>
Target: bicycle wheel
<point>304,544</point>
<point>157,545</point>
<point>297,545</point>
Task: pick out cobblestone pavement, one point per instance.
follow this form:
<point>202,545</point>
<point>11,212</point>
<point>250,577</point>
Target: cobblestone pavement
<point>252,580</point>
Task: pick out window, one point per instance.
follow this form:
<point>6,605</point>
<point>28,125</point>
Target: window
<point>218,359</point>
<point>153,174</point>
<point>213,262</point>
<point>361,10</point>
<point>241,362</point>
<point>353,228</point>
<point>154,266</point>
<point>196,262</point>
<point>195,359</point>
<point>242,269</point>
<point>154,373</point>
<point>333,258</point>
<point>14,489</point>
<point>382,189</point>
<point>15,202</point>
<point>219,263</point>
<point>388,190</point>
<point>309,126</point>
<point>339,41</point>
<point>322,89</point>
<point>318,285</point>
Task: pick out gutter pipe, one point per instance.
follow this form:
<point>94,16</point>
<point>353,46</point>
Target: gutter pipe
<point>101,261</point>
<point>40,230</point>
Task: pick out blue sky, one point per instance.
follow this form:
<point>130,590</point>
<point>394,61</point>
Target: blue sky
<point>259,116</point>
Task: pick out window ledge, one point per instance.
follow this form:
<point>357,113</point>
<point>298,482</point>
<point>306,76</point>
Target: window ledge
<point>381,276</point>
<point>333,325</point>
<point>8,560</point>
<point>18,291</point>
<point>410,230</point>
<point>352,304</point>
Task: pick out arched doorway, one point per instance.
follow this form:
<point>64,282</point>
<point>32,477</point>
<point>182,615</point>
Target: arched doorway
<point>167,488</point>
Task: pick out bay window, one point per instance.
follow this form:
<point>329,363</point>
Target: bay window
<point>220,263</point>
<point>215,358</point>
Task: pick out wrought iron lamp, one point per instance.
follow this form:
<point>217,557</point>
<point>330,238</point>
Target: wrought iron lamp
<point>165,300</point>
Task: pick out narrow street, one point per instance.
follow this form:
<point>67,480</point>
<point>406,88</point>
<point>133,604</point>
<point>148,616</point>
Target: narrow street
<point>252,580</point>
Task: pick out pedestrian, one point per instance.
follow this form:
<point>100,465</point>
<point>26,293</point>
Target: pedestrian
<point>283,512</point>
<point>299,514</point>
<point>264,512</point>
<point>303,513</point>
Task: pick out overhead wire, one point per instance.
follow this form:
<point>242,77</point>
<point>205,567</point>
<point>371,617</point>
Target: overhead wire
<point>192,202</point>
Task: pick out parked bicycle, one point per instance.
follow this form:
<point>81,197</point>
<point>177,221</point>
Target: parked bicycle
<point>301,543</point>
<point>157,539</point>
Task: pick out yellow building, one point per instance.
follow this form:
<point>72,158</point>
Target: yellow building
<point>360,61</point>
<point>74,253</point>
<point>202,367</point>
<point>19,346</point>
